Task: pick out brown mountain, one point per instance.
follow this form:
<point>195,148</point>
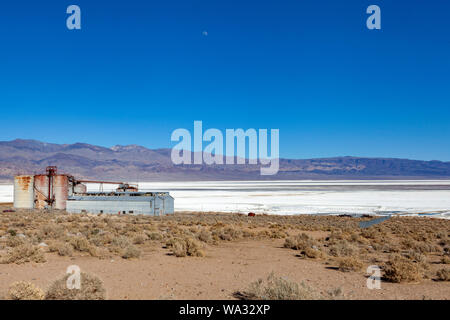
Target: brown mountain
<point>137,163</point>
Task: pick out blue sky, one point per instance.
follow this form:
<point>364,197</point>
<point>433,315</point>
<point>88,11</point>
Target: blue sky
<point>137,70</point>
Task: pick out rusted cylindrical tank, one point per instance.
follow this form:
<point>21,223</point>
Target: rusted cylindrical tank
<point>41,185</point>
<point>23,192</point>
<point>54,188</point>
<point>60,191</point>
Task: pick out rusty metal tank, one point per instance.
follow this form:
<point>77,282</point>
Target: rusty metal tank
<point>51,191</point>
<point>41,186</point>
<point>60,191</point>
<point>23,192</point>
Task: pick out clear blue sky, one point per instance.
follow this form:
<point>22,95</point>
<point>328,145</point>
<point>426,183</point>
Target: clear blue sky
<point>140,69</point>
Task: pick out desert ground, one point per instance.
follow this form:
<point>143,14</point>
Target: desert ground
<point>221,256</point>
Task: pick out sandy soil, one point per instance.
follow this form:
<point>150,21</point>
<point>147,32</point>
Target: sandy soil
<point>227,268</point>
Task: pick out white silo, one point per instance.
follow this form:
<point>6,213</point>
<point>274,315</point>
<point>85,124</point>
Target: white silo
<point>24,192</point>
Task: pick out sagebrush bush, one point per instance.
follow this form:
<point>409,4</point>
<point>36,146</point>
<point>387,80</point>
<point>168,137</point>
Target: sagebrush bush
<point>399,269</point>
<point>445,260</point>
<point>342,249</point>
<point>277,288</point>
<point>179,249</point>
<point>226,233</point>
<point>121,242</point>
<point>14,241</point>
<point>80,244</point>
<point>155,236</point>
<point>24,253</point>
<point>131,252</point>
<point>307,246</point>
<point>23,290</point>
<point>62,248</point>
<point>205,236</point>
<point>182,247</point>
<point>139,239</point>
<point>52,231</point>
<point>102,253</point>
<point>193,248</point>
<point>415,256</point>
<point>91,288</point>
<point>443,275</point>
<point>420,246</point>
<point>348,264</point>
<point>101,239</point>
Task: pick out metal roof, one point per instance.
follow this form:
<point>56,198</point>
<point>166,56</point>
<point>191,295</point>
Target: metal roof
<point>118,196</point>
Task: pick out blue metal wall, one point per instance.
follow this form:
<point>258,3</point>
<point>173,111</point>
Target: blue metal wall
<point>149,205</point>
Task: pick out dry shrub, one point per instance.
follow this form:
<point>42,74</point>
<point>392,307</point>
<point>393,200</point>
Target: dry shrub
<point>193,248</point>
<point>443,274</point>
<point>306,245</point>
<point>227,234</point>
<point>337,235</point>
<point>370,233</point>
<point>348,264</point>
<point>356,237</point>
<point>277,234</point>
<point>155,236</point>
<point>139,239</point>
<point>342,249</point>
<point>15,241</point>
<point>399,269</point>
<point>249,234</point>
<point>23,290</point>
<point>131,252</point>
<point>80,244</point>
<point>101,253</point>
<point>179,249</point>
<point>445,260</point>
<point>312,253</point>
<point>115,250</point>
<point>93,251</point>
<point>446,250</point>
<point>62,248</point>
<point>107,238</point>
<point>52,231</point>
<point>186,247</point>
<point>415,256</point>
<point>335,294</point>
<point>98,240</point>
<point>91,288</point>
<point>277,288</point>
<point>121,242</point>
<point>205,236</point>
<point>420,246</point>
<point>24,253</point>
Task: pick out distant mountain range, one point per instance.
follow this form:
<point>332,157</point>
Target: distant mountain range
<point>136,163</point>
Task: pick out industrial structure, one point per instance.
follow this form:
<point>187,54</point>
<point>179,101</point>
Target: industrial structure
<point>63,192</point>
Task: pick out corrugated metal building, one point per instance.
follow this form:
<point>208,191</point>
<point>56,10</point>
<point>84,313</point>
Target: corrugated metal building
<point>149,203</point>
<point>63,192</point>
